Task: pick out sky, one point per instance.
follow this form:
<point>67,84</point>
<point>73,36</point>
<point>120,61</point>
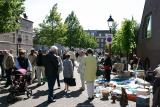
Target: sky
<point>92,14</point>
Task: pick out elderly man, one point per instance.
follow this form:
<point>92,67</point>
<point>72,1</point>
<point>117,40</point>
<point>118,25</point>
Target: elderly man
<point>90,73</point>
<point>51,71</point>
<point>32,58</point>
<point>8,65</point>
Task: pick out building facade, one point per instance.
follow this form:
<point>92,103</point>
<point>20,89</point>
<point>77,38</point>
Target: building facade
<point>22,38</point>
<point>148,47</point>
<point>100,36</point>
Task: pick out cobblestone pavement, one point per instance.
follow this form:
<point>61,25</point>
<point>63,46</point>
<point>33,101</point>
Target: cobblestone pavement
<point>76,98</point>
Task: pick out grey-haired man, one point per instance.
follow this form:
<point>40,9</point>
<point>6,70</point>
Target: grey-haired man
<point>51,72</point>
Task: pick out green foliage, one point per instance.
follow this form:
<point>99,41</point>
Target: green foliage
<point>128,36</point>
<point>52,30</point>
<point>117,43</point>
<point>76,37</point>
<point>10,11</point>
<point>88,41</point>
<point>74,30</point>
<point>114,28</point>
<point>124,40</point>
<point>70,33</point>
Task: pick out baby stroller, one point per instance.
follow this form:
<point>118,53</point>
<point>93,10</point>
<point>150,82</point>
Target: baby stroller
<point>20,81</point>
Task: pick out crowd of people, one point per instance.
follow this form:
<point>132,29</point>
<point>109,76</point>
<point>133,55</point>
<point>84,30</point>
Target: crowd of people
<point>48,66</point>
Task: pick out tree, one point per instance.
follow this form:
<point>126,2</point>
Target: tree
<point>52,30</point>
<point>69,33</point>
<point>74,30</point>
<point>10,12</point>
<point>117,43</point>
<point>114,28</point>
<point>124,41</point>
<point>128,37</point>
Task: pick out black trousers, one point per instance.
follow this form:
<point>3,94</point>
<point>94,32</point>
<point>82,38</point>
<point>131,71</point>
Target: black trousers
<point>58,82</point>
<point>107,75</point>
<point>51,82</point>
<point>8,76</point>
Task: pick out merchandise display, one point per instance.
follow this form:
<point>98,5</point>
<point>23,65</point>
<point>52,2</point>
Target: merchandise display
<point>135,88</point>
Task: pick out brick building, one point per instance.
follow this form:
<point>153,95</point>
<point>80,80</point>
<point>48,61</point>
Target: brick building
<point>100,36</point>
<point>22,38</point>
<point>148,47</point>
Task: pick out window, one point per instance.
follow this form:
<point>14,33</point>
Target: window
<point>101,40</point>
<point>102,45</point>
<point>100,35</point>
<point>147,27</point>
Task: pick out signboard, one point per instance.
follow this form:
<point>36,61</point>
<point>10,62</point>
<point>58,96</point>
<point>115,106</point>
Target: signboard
<point>109,38</point>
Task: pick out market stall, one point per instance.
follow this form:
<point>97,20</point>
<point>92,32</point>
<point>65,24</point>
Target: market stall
<point>136,88</point>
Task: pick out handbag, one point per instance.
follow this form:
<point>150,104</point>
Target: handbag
<point>72,82</point>
<point>107,67</point>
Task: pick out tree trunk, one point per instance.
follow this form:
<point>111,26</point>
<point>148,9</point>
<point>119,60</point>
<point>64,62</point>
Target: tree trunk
<point>127,61</point>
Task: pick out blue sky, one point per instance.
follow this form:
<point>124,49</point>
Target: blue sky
<point>92,14</point>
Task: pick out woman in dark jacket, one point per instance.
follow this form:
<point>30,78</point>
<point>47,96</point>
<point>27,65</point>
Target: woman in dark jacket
<point>107,67</point>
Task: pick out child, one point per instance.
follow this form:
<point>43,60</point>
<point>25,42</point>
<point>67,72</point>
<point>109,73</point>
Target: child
<point>123,98</point>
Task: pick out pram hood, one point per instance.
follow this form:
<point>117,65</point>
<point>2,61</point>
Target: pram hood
<point>22,71</point>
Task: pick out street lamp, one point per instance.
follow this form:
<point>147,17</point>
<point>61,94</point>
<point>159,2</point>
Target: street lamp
<point>110,23</point>
<point>19,40</point>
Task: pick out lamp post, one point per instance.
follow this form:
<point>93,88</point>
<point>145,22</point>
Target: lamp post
<point>19,40</point>
<point>110,22</point>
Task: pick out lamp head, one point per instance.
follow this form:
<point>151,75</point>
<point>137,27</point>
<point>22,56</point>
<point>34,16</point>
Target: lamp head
<point>110,21</point>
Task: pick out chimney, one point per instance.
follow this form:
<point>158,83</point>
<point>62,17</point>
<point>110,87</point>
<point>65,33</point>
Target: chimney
<point>25,16</point>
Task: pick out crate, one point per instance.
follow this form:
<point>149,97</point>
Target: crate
<point>141,105</point>
<point>142,101</point>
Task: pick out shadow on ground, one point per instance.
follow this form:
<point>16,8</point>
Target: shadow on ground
<point>3,90</point>
<point>87,103</point>
<point>76,93</point>
<point>45,103</point>
<point>39,93</point>
<point>4,103</point>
